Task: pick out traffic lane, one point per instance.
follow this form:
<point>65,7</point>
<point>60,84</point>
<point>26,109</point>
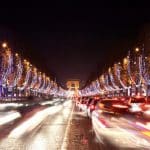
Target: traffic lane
<point>31,122</point>
<point>80,133</point>
<point>22,105</point>
<point>52,132</point>
<point>12,114</point>
<point>7,122</point>
<point>48,134</point>
<point>120,132</point>
<point>14,118</point>
<point>8,116</point>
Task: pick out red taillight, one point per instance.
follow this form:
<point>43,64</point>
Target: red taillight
<point>92,107</point>
<point>147,105</point>
<point>120,106</point>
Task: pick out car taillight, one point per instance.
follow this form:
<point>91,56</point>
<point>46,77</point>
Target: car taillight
<point>92,107</point>
<point>147,105</point>
<point>120,106</point>
<point>147,112</point>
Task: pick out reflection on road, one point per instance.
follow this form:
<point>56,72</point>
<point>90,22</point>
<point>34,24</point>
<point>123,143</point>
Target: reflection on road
<point>42,128</point>
<point>61,125</point>
<point>6,117</point>
<point>120,132</point>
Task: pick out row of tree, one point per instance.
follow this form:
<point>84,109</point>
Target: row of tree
<point>127,78</point>
<point>19,78</point>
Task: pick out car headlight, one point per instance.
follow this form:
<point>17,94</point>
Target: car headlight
<point>135,108</point>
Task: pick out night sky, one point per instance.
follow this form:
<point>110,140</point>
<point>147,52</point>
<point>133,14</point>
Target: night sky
<point>69,40</point>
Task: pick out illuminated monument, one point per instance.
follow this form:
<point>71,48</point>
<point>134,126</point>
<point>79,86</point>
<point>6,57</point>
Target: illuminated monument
<point>73,85</point>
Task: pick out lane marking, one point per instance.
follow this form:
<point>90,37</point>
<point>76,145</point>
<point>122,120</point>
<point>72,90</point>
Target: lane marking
<point>64,143</point>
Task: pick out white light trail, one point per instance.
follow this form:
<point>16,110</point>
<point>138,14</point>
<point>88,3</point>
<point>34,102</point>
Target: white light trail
<point>34,121</point>
<point>8,117</point>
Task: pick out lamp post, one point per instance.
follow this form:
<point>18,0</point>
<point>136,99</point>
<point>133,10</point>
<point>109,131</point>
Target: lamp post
<point>4,88</point>
<point>137,74</point>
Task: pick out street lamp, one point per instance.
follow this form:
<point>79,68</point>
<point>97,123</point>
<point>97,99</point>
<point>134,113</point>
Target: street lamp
<point>16,55</point>
<point>125,61</point>
<point>137,49</point>
<point>4,45</point>
<point>28,63</point>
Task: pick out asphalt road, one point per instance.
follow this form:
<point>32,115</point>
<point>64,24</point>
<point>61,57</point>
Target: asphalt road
<point>60,127</point>
<point>56,127</point>
<point>42,128</point>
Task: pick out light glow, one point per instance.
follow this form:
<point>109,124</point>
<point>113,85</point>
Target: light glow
<point>32,122</point>
<point>10,116</point>
<point>135,108</point>
<point>4,45</point>
<point>120,106</point>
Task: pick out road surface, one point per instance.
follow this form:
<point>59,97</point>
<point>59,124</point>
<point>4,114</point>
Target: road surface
<point>58,127</point>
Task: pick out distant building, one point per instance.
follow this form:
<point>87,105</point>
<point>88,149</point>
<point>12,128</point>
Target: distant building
<point>73,85</point>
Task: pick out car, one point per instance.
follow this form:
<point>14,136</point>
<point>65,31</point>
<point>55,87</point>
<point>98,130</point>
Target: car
<point>136,104</point>
<point>82,103</point>
<point>77,102</point>
<point>89,100</point>
<point>92,106</point>
<point>113,106</point>
<point>85,103</point>
<point>146,109</point>
<point>118,132</point>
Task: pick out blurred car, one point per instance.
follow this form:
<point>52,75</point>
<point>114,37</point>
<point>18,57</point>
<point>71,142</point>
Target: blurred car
<point>135,104</point>
<point>77,102</point>
<point>92,106</point>
<point>82,103</point>
<point>146,109</point>
<point>113,106</point>
<point>88,102</point>
<point>85,103</point>
<point>115,132</point>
